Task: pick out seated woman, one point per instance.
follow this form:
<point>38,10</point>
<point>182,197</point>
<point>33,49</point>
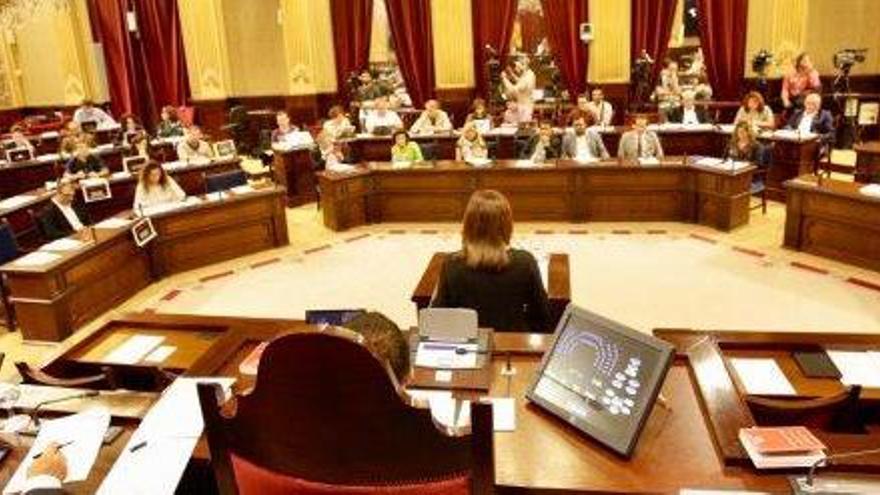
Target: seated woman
<point>140,145</point>
<point>155,187</point>
<point>755,112</point>
<point>338,126</point>
<point>405,150</point>
<point>480,115</point>
<point>170,126</point>
<point>18,140</point>
<point>471,144</point>
<point>502,284</point>
<point>85,163</point>
<point>543,146</point>
<point>744,145</point>
<point>328,152</point>
<point>130,130</point>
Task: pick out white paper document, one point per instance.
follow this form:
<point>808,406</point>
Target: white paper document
<point>479,162</point>
<point>341,168</point>
<point>178,413</point>
<point>762,376</point>
<point>153,468</point>
<point>15,201</point>
<point>134,349</point>
<point>446,355</point>
<point>113,223</point>
<point>80,435</point>
<point>243,189</point>
<point>870,190</point>
<point>161,353</point>
<point>649,160</point>
<point>64,244</point>
<point>857,367</point>
<point>37,258</point>
<point>457,413</point>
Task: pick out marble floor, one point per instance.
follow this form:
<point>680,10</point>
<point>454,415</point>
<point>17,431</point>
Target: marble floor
<point>646,275</point>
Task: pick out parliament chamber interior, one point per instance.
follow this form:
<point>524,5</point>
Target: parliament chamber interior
<point>439,246</point>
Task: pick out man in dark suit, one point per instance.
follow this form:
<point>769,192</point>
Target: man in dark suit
<point>812,119</point>
<point>689,112</point>
<point>62,216</point>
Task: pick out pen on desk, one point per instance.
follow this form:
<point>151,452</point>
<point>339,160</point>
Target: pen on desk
<point>138,446</point>
<point>60,446</point>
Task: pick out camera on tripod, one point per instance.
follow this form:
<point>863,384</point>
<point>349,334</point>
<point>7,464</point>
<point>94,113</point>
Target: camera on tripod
<point>845,59</point>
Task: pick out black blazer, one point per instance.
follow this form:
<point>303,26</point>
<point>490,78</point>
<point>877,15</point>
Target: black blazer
<point>513,299</point>
<point>54,225</point>
<point>92,164</point>
<point>677,115</point>
<point>822,124</point>
<point>552,152</point>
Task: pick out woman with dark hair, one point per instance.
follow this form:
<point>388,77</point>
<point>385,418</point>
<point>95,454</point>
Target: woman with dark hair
<point>155,187</point>
<point>405,150</point>
<point>755,112</point>
<point>744,145</point>
<point>502,284</point>
<point>170,125</point>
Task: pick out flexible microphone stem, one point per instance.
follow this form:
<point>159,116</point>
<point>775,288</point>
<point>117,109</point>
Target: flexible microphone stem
<point>35,413</point>
<point>843,455</point>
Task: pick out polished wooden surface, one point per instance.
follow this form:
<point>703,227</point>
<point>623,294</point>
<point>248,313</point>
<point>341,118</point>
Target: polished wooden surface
<point>558,284</point>
<point>867,161</point>
<point>21,177</point>
<point>831,218</point>
<point>294,170</point>
<point>675,190</point>
<point>54,299</point>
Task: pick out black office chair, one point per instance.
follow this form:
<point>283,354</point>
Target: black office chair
<point>8,251</point>
<point>224,181</point>
<point>237,128</point>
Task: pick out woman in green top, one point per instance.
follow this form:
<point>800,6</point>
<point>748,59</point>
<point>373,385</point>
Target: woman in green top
<point>405,150</point>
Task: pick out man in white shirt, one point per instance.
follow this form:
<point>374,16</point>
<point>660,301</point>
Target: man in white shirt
<point>193,148</point>
<point>382,118</point>
<point>602,110</point>
<point>432,120</point>
<point>519,84</point>
<point>812,119</point>
<point>88,112</point>
<point>688,113</point>
<point>639,142</point>
<point>583,144</point>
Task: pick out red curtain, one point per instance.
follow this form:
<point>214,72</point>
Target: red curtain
<point>147,69</point>
<point>410,22</point>
<point>108,21</point>
<point>352,25</point>
<point>723,38</point>
<point>562,19</point>
<point>493,26</point>
<point>651,28</point>
<point>532,30</point>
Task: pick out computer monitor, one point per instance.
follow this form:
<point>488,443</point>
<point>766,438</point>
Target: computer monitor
<point>601,377</point>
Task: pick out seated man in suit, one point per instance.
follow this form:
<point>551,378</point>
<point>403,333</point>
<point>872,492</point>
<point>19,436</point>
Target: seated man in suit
<point>432,120</point>
<point>88,112</point>
<point>503,285</point>
<point>544,145</point>
<point>581,111</point>
<point>62,217</point>
<point>85,163</point>
<point>382,119</point>
<point>688,113</point>
<point>46,473</point>
<point>812,119</point>
<point>639,142</point>
<point>193,148</point>
<point>583,144</point>
<point>601,109</point>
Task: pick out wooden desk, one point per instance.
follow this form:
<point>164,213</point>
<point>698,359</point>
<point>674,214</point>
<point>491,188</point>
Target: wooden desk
<point>687,445</point>
<point>190,178</point>
<point>559,191</point>
<point>52,300</point>
<point>790,159</point>
<point>294,170</point>
<point>831,218</point>
<point>868,162</point>
<point>558,284</point>
<point>21,177</point>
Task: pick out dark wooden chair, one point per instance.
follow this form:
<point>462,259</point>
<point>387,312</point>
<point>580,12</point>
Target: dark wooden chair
<point>326,416</point>
<point>764,161</point>
<point>9,250</point>
<point>106,380</point>
<point>837,413</point>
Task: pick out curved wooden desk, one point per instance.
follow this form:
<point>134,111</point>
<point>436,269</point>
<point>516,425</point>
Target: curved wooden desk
<point>868,161</point>
<point>54,299</point>
<point>691,444</point>
<point>558,191</point>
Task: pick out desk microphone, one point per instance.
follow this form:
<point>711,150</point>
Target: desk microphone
<point>829,459</point>
<point>35,412</point>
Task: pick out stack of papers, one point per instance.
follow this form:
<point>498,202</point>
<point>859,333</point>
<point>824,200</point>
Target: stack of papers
<point>762,376</point>
<point>525,164</point>
<point>113,223</point>
<point>649,160</point>
<point>479,162</point>
<point>872,190</point>
<point>37,258</point>
<point>447,355</point>
<point>172,166</point>
<point>781,447</point>
<point>857,367</point>
<point>133,349</point>
<point>49,157</point>
<point>341,168</point>
<point>65,244</point>
<point>157,453</point>
<point>120,175</point>
<point>584,160</point>
<point>80,434</point>
<point>243,189</point>
<point>401,164</point>
<point>792,135</point>
<point>721,164</point>
<point>456,413</point>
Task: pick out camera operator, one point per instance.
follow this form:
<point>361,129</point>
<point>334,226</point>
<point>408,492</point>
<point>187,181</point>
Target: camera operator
<point>801,81</point>
<point>519,83</point>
